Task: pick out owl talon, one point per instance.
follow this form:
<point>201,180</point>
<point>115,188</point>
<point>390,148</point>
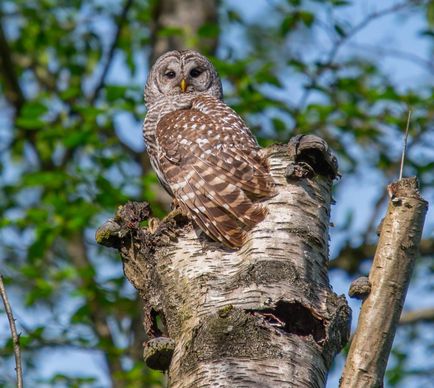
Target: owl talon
<point>174,215</point>
<point>153,224</point>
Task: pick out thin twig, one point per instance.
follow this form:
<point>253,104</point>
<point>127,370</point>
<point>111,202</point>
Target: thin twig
<point>417,316</point>
<point>427,64</point>
<point>404,147</point>
<point>122,19</point>
<point>341,40</point>
<point>15,335</point>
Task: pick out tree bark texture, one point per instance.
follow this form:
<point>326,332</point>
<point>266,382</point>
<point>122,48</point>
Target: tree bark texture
<point>400,235</point>
<point>261,316</point>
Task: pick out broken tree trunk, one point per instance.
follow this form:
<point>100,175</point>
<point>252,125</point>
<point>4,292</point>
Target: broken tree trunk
<point>261,316</point>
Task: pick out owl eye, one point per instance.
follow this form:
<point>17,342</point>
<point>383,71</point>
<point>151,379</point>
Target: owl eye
<point>195,73</point>
<point>170,74</point>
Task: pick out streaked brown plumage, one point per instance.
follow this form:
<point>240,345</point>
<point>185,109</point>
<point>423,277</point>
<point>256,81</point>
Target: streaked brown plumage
<point>203,153</point>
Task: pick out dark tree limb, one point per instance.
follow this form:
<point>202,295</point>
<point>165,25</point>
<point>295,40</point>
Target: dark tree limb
<point>13,92</point>
<point>111,52</point>
<point>14,334</point>
<point>389,278</point>
<point>261,316</point>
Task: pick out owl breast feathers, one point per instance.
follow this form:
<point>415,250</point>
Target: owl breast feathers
<point>208,160</point>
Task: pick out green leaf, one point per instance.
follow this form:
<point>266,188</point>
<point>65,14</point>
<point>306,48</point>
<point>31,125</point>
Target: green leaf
<point>341,3</point>
<point>29,123</point>
<point>114,92</point>
<point>33,109</point>
<point>170,31</point>
<point>307,17</point>
<point>209,30</point>
<point>287,24</point>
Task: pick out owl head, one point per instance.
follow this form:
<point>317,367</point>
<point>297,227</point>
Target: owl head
<point>177,73</point>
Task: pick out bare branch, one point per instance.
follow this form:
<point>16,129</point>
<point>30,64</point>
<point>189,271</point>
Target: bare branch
<point>110,55</point>
<point>14,334</point>
<point>389,277</point>
<point>347,36</point>
<point>417,316</point>
<point>14,92</point>
<point>387,51</point>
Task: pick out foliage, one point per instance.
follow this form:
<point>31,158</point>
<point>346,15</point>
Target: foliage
<point>71,149</point>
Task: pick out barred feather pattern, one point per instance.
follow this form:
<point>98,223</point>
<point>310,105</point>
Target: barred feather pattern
<point>210,163</point>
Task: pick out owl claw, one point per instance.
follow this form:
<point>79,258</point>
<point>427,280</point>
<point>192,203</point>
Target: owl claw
<point>174,215</point>
<point>153,224</point>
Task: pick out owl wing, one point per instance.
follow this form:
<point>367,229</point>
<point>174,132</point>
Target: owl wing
<point>215,171</point>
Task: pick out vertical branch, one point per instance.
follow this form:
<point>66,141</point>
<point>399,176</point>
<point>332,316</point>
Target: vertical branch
<point>13,91</point>
<point>14,334</point>
<point>110,55</point>
<point>389,277</point>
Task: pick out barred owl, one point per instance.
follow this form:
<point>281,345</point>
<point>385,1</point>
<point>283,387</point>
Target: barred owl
<point>203,153</point>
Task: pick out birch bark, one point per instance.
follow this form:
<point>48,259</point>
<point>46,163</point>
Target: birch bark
<point>390,274</point>
<point>262,316</point>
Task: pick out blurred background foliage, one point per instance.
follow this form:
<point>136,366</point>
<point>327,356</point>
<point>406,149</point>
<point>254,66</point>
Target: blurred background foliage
<point>71,84</point>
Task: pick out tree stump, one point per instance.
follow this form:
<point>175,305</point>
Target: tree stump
<point>261,316</point>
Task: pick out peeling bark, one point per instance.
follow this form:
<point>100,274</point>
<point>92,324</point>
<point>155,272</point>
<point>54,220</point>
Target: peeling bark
<point>389,277</point>
<point>261,316</point>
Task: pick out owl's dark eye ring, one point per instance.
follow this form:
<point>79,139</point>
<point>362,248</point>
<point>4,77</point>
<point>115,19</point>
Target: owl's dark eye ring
<point>170,74</point>
<point>195,72</point>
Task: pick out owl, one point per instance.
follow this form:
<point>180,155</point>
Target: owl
<point>202,151</point>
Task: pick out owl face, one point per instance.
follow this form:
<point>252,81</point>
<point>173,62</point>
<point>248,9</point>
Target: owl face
<point>182,73</point>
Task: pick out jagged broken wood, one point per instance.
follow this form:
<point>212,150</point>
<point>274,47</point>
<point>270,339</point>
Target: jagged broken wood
<point>390,274</point>
<point>261,316</point>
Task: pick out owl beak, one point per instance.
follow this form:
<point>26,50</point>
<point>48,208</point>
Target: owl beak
<point>183,85</point>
